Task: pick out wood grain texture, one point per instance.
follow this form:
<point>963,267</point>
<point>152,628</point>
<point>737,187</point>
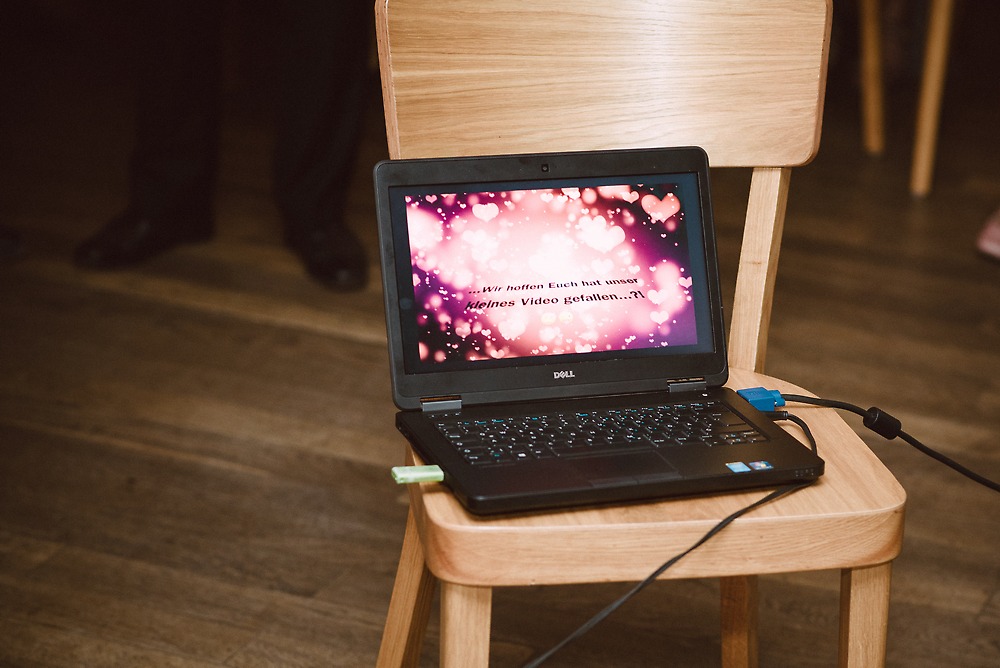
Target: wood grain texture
<point>864,607</point>
<point>758,268</point>
<point>939,22</point>
<point>740,611</point>
<point>465,625</point>
<point>872,82</point>
<point>410,605</point>
<point>766,60</point>
<point>194,454</point>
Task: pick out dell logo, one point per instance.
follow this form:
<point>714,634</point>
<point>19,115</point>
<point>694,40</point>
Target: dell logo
<point>559,375</point>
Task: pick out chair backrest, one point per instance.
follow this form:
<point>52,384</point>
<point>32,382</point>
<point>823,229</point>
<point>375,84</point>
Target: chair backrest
<point>744,80</point>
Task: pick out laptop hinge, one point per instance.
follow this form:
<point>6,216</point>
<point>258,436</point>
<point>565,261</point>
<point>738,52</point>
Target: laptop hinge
<point>441,404</point>
<point>688,385</point>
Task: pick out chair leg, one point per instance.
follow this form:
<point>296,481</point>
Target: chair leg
<point>872,98</point>
<point>410,605</point>
<point>465,626</point>
<point>739,622</point>
<point>931,90</point>
<point>864,616</point>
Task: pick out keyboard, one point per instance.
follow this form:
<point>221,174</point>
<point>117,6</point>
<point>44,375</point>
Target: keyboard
<point>597,432</point>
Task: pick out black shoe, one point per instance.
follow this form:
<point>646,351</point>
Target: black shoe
<point>131,238</point>
<point>333,256</point>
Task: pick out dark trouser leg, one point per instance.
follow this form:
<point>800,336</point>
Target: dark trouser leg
<point>321,97</point>
<point>172,172</point>
<point>174,162</point>
<point>323,46</point>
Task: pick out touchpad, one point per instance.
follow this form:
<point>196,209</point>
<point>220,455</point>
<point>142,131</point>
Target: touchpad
<point>623,470</point>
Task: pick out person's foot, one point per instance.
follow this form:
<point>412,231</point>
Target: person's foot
<point>333,256</point>
<point>132,238</point>
<point>989,237</point>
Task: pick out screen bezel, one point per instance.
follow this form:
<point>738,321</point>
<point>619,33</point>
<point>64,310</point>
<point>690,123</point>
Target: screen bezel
<point>526,378</point>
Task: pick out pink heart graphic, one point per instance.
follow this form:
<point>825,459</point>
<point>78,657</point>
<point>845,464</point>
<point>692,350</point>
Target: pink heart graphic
<point>660,210</point>
<point>618,192</point>
<point>595,233</point>
<point>685,282</point>
<point>486,212</point>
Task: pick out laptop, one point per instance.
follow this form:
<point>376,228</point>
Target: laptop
<point>555,331</point>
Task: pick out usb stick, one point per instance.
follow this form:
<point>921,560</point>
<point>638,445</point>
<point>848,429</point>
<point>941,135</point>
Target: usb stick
<point>407,475</point>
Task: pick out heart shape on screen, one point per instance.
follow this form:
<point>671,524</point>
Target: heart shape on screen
<point>596,233</point>
<point>660,209</point>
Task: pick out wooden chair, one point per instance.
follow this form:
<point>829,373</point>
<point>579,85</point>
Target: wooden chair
<point>745,81</point>
<point>939,21</point>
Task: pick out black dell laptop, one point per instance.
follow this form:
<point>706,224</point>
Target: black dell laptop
<point>555,331</point>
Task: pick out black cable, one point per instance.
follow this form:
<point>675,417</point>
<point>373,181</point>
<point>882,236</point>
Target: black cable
<point>785,415</point>
<point>603,614</point>
<point>947,461</point>
<point>889,427</point>
<point>827,403</point>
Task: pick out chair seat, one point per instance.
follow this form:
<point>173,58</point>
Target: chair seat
<point>856,506</point>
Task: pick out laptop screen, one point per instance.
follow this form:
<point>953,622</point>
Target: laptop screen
<point>536,270</point>
<point>559,270</point>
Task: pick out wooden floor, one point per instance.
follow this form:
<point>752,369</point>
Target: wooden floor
<point>194,455</point>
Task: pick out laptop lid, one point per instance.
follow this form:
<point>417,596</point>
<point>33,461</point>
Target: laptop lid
<point>527,277</point>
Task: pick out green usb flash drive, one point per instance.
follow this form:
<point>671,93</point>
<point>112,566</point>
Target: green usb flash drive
<point>406,475</point>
